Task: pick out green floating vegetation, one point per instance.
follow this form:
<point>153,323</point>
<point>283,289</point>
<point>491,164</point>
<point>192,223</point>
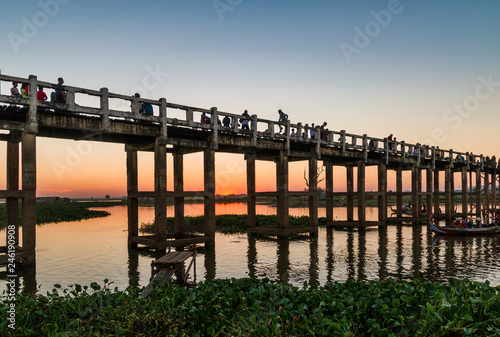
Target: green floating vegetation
<point>231,223</point>
<point>57,212</point>
<point>251,307</point>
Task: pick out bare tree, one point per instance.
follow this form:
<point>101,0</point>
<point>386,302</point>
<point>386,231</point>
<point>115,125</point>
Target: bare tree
<point>318,173</point>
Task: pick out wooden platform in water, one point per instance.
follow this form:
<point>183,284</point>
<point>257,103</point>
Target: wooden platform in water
<point>165,267</point>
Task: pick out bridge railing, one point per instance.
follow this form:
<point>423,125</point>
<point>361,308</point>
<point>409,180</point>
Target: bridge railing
<point>167,113</point>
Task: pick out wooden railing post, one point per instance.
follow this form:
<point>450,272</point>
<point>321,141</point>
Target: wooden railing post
<point>287,134</point>
<point>32,121</point>
<point>342,140</point>
<point>365,147</point>
<point>403,148</point>
<point>386,150</point>
<point>163,116</point>
<point>270,129</point>
<point>189,116</point>
<point>136,105</point>
<point>299,131</point>
<point>433,155</point>
<point>254,130</point>
<point>452,164</point>
<point>215,128</point>
<point>105,108</point>
<point>70,100</point>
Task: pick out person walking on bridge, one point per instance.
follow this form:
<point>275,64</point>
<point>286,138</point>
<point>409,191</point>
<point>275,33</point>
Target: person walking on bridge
<point>282,119</point>
<point>60,92</point>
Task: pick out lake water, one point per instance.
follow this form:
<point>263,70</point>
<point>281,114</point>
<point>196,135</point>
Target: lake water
<point>96,249</point>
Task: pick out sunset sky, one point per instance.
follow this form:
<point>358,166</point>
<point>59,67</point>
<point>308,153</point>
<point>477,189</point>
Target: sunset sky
<point>426,71</point>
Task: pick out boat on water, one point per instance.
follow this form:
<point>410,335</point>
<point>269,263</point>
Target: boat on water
<point>489,229</point>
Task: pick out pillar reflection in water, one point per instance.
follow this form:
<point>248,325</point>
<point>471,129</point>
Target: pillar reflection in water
<point>361,254</point>
<point>210,262</point>
<point>350,255</point>
<point>283,259</point>
<point>313,261</point>
<point>251,255</point>
<point>417,252</point>
<point>330,257</point>
<point>382,252</point>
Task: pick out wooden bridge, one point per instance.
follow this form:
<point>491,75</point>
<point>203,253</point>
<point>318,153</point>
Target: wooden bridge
<point>173,129</point>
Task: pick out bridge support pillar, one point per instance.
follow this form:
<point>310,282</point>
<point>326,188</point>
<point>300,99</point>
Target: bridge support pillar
<point>12,203</point>
<point>428,200</point>
<point>350,193</point>
<point>160,163</point>
<point>178,157</point>
<point>416,189</point>
<point>399,192</point>
<point>282,189</point>
<point>493,195</point>
<point>29,196</point>
<point>132,199</point>
<point>465,195</point>
<point>329,190</point>
<point>478,193</point>
<point>209,199</point>
<point>437,210</point>
<point>361,194</point>
<point>486,200</point>
<point>251,199</point>
<point>313,193</point>
<point>448,206</point>
<point>382,190</point>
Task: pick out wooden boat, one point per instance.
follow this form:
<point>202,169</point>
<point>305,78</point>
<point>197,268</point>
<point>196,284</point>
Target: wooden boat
<point>490,229</point>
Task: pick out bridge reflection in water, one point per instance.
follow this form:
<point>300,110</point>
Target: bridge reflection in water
<point>399,252</point>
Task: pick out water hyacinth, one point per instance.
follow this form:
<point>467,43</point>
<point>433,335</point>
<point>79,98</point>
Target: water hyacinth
<point>251,307</point>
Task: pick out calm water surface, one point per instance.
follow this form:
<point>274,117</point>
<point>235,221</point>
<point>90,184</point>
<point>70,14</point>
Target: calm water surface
<point>94,250</point>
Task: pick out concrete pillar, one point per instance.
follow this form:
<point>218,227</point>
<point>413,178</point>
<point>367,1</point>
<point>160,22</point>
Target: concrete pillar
<point>209,177</point>
<point>251,199</point>
<point>416,188</point>
<point>486,200</point>
<point>329,190</point>
<point>428,176</point>
<point>447,193</point>
<point>282,189</point>
<point>382,189</point>
<point>493,195</point>
<point>399,192</point>
<point>465,201</point>
<point>313,192</point>
<point>361,193</point>
<point>160,191</point>
<point>436,191</point>
<point>132,201</point>
<point>350,191</point>
<point>178,157</point>
<point>478,193</point>
<point>12,204</point>
<point>452,191</point>
<point>494,202</point>
<point>29,193</point>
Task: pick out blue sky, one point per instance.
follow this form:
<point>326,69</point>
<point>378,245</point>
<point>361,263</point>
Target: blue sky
<point>426,57</point>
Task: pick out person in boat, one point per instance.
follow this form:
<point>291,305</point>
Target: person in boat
<point>497,217</point>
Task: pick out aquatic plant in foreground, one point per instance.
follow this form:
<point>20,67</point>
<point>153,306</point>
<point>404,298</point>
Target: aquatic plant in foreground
<point>251,307</point>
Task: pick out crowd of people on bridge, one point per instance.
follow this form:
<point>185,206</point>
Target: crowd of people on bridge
<point>57,96</point>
